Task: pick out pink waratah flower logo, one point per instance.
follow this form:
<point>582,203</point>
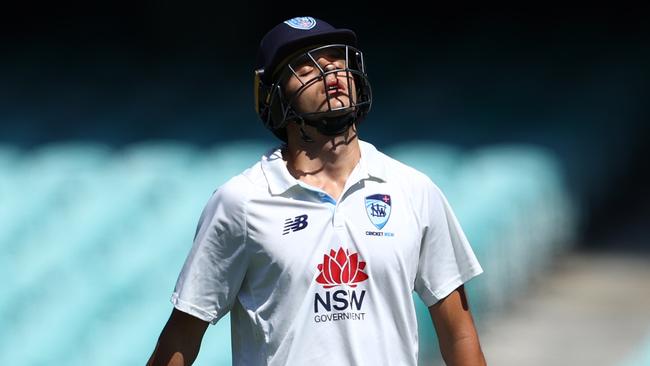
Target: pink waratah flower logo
<point>341,268</point>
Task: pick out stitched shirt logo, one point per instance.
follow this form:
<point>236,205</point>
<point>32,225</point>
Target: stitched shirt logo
<point>378,207</point>
<point>294,224</point>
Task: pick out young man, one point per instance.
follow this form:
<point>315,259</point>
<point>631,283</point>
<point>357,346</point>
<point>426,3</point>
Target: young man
<point>316,249</point>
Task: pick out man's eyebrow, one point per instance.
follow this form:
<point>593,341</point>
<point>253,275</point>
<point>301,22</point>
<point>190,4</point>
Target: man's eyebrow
<point>301,61</point>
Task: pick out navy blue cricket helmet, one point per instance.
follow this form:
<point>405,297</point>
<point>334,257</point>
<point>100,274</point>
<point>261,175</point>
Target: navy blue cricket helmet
<point>298,40</point>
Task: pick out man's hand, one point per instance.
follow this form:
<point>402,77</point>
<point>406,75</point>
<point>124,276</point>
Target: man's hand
<point>459,343</point>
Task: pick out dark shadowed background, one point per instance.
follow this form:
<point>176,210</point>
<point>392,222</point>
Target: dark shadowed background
<point>573,80</point>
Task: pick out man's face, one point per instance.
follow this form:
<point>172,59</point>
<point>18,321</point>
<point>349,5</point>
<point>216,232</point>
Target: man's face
<point>334,91</point>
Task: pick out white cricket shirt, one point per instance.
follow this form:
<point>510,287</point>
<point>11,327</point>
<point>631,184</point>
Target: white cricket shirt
<point>312,281</point>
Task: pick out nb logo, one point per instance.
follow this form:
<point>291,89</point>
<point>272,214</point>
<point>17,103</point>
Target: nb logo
<point>377,210</point>
<point>295,224</point>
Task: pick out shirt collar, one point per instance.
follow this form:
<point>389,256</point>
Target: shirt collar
<point>280,180</point>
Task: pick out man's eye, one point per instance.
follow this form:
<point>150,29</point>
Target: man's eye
<point>305,70</point>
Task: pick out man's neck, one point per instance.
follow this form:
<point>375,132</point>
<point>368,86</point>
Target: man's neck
<point>325,163</point>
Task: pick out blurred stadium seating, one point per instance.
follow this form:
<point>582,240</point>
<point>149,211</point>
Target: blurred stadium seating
<point>92,238</point>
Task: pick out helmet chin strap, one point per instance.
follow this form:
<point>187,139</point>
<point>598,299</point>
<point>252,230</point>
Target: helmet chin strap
<point>303,134</point>
<point>326,125</point>
<point>331,126</point>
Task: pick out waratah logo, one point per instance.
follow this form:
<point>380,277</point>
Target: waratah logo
<point>341,268</point>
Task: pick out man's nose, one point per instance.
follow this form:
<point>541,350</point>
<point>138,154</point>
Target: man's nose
<point>329,68</point>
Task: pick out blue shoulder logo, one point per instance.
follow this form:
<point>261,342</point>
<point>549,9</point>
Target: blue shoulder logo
<point>302,23</point>
<point>378,209</point>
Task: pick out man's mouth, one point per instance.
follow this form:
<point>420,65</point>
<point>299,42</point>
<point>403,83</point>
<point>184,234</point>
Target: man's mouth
<point>334,87</point>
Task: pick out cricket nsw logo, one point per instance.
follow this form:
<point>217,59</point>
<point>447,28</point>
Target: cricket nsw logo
<point>302,23</point>
<point>378,209</point>
<point>341,268</point>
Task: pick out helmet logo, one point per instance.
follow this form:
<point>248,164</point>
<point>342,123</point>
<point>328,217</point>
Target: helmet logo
<point>302,23</point>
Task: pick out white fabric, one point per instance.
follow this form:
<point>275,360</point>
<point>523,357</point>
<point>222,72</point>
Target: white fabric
<point>277,272</point>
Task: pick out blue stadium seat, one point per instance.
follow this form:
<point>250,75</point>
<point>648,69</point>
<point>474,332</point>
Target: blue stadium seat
<point>542,174</point>
<point>429,354</point>
<point>439,162</point>
<point>49,183</point>
<point>46,179</point>
<point>510,194</point>
<point>8,158</point>
<point>229,159</point>
<point>9,169</point>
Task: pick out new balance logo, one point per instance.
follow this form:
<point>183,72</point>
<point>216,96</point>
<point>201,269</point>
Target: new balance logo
<point>295,224</point>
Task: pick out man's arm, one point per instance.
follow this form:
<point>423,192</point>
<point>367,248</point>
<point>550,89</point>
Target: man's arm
<point>179,341</point>
<point>457,336</point>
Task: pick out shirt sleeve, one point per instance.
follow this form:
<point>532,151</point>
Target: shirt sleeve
<point>446,257</point>
<point>215,267</point>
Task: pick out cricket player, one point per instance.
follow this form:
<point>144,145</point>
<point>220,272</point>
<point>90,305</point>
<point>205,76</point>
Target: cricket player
<point>316,249</point>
